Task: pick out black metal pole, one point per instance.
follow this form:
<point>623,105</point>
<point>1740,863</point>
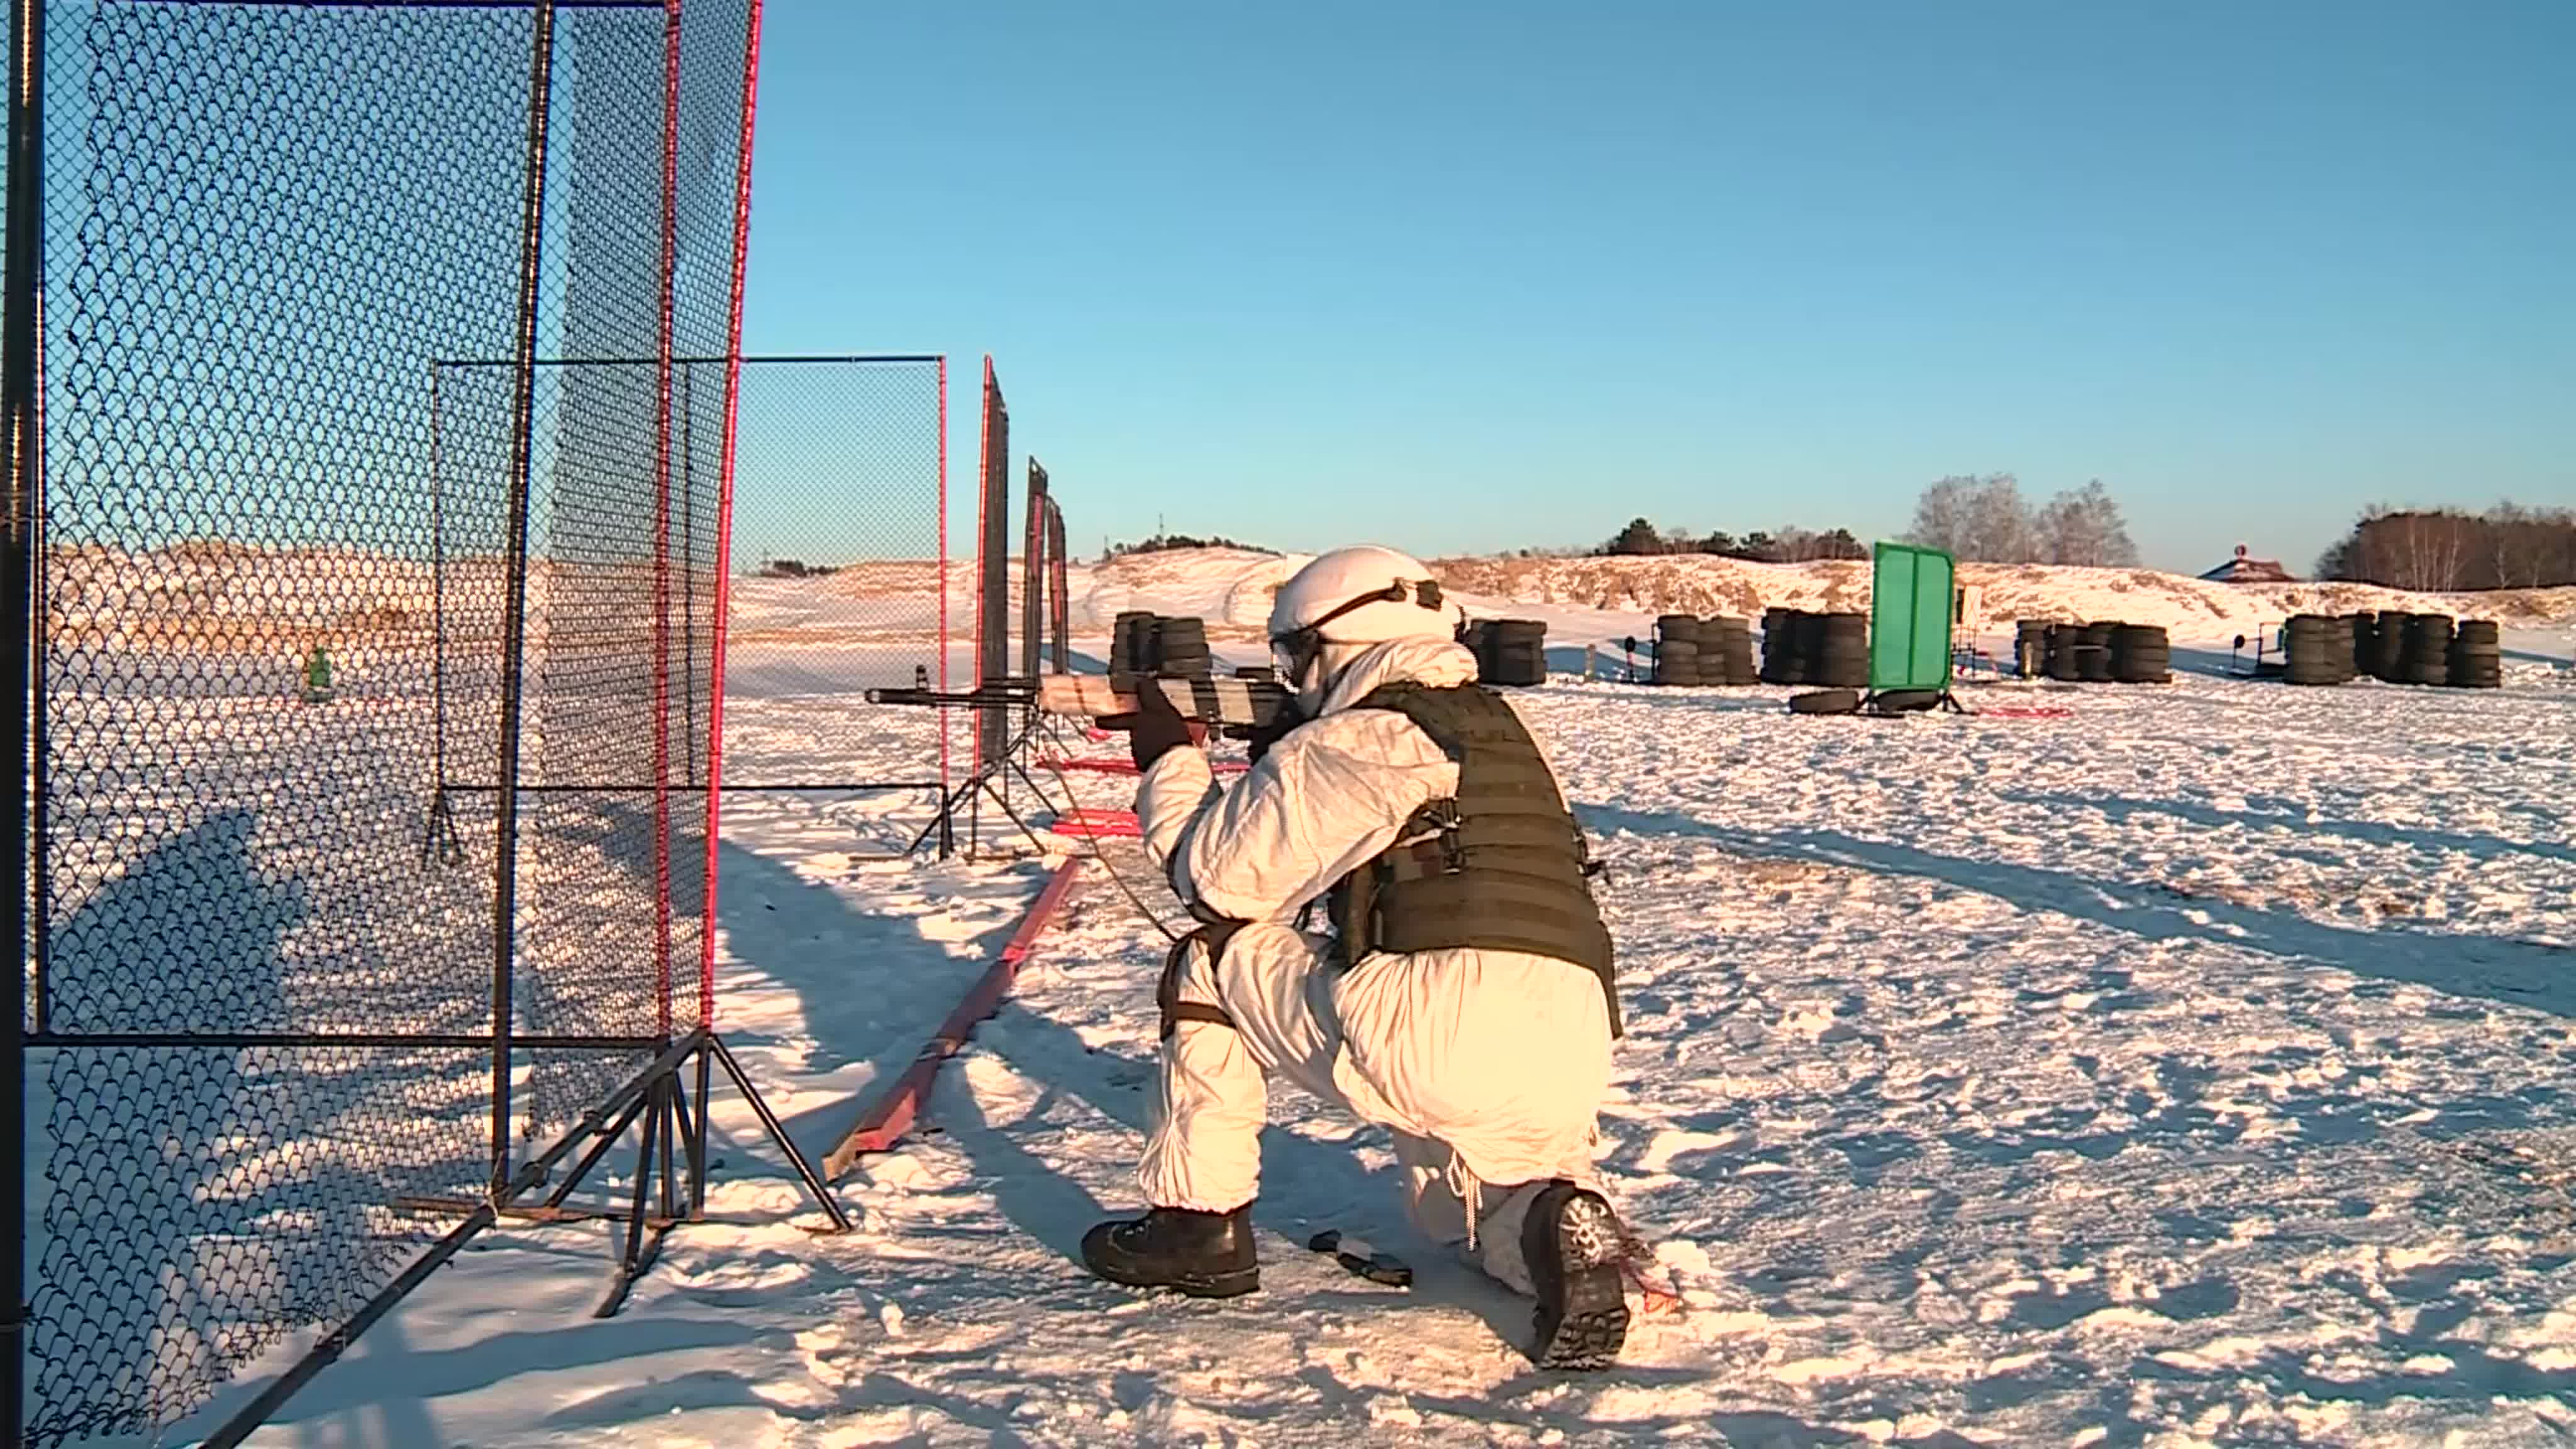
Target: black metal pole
<point>698,1137</point>
<point>21,436</point>
<point>514,619</point>
<point>778,1134</point>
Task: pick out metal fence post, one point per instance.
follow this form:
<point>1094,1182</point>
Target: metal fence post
<point>20,408</point>
<point>514,624</point>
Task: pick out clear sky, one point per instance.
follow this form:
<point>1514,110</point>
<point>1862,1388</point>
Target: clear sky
<point>1478,276</point>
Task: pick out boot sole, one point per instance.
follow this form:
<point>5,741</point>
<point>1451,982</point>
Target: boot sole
<point>1583,1324</point>
<point>1217,1285</point>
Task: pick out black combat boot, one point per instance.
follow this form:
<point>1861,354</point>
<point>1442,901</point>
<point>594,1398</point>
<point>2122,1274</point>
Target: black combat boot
<point>1571,1243</point>
<point>1205,1255</point>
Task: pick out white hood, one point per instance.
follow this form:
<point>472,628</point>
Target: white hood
<point>1352,671</point>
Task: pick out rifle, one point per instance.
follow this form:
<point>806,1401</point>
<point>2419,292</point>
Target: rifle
<point>1233,705</point>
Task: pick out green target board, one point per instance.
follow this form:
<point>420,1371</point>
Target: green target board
<point>1910,597</point>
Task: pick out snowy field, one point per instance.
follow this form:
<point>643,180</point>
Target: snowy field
<point>2189,1068</point>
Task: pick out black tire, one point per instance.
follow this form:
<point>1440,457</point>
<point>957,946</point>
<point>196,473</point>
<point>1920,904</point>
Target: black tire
<point>2479,632</point>
<point>1906,701</point>
<point>1180,647</point>
<point>1683,628</point>
<point>1131,642</point>
<point>1826,701</point>
<point>2388,646</point>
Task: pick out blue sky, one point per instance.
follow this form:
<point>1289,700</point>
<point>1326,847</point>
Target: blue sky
<point>1463,277</point>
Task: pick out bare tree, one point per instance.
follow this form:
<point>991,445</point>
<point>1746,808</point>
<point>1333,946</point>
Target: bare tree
<point>1941,516</point>
<point>2444,551</point>
<point>2000,524</point>
<point>1983,519</point>
<point>1946,516</point>
<point>2083,526</point>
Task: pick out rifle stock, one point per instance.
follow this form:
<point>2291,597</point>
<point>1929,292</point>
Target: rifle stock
<point>1229,702</point>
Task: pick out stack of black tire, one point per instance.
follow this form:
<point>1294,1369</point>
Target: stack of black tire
<point>1840,659</point>
<point>1780,662</point>
<point>1726,652</point>
<point>2030,648</point>
<point>2071,657</point>
<point>1799,647</point>
<point>1145,643</point>
<point>2365,645</point>
<point>2096,653</point>
<point>2427,656</point>
<point>2477,655</point>
<point>2383,657</point>
<point>2141,654</point>
<point>1181,648</point>
<point>1509,651</point>
<point>2318,649</point>
<point>1677,650</point>
<point>1131,641</point>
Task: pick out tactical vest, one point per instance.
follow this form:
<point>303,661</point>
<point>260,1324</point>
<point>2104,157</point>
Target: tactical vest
<point>1501,867</point>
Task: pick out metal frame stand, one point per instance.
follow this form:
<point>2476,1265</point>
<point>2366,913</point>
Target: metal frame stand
<point>991,781</point>
<point>670,1178</point>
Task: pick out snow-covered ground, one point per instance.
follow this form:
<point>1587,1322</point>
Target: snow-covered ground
<point>2152,1073</point>
<point>2189,1066</point>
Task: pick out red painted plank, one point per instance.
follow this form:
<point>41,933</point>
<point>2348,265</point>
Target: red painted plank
<point>886,1119</point>
<point>1097,825</point>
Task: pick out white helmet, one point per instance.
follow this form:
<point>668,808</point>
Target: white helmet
<point>1365,595</point>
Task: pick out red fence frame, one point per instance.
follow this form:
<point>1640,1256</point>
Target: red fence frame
<point>724,521</point>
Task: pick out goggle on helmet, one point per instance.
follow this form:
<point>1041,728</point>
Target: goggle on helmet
<point>1296,651</point>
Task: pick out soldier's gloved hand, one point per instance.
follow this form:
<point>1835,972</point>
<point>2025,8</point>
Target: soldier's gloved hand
<point>1158,728</point>
<point>1274,730</point>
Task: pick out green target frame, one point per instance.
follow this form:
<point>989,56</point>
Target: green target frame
<point>1910,596</point>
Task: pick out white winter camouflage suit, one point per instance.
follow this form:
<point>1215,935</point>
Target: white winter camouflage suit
<point>1488,1066</point>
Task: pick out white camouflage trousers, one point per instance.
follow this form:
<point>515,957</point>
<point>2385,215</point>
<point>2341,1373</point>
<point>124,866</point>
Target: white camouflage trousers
<point>1487,1066</point>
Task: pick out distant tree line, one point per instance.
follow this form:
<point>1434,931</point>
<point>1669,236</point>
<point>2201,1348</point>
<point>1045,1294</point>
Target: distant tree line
<point>2450,551</point>
<point>1166,542</point>
<point>1985,520</point>
<point>788,568</point>
<point>1789,545</point>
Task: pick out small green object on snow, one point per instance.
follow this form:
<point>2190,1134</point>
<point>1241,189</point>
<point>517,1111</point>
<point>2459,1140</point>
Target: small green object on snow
<point>317,676</point>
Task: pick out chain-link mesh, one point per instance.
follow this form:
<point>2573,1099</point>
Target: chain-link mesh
<point>282,436</point>
<point>841,585</point>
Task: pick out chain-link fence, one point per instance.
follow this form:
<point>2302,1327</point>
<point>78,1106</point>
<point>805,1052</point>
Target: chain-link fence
<point>371,757</point>
<point>841,584</point>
